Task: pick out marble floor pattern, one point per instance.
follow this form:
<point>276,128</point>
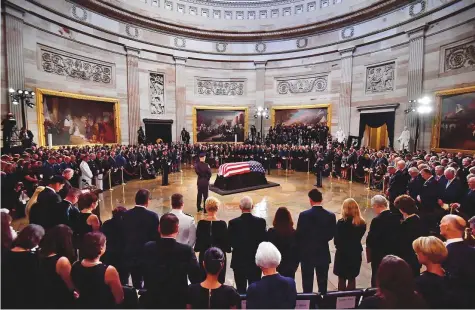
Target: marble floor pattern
<point>292,193</point>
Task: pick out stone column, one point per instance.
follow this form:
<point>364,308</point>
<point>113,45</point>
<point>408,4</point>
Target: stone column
<point>133,95</point>
<point>14,51</point>
<point>260,95</point>
<point>414,79</point>
<point>344,104</point>
<point>180,94</point>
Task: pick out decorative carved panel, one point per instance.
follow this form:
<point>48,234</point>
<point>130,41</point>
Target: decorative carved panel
<point>157,93</point>
<point>299,85</point>
<point>461,56</point>
<point>210,87</point>
<point>75,66</point>
<point>380,78</point>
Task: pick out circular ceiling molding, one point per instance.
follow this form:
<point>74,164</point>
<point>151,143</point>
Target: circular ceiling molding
<point>261,47</point>
<point>302,42</point>
<point>348,32</point>
<point>79,13</point>
<point>180,42</point>
<point>132,31</point>
<point>221,47</point>
<point>417,8</point>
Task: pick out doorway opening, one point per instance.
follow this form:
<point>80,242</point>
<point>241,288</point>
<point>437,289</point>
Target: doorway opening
<point>376,138</point>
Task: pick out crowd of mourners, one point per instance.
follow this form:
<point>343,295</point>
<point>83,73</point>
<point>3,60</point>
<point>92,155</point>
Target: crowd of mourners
<point>425,216</point>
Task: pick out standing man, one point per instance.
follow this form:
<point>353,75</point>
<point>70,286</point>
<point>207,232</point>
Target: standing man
<point>42,212</point>
<point>187,227</point>
<point>165,166</point>
<point>245,234</point>
<point>68,174</point>
<point>203,171</point>
<point>319,166</point>
<point>315,228</point>
<point>429,208</point>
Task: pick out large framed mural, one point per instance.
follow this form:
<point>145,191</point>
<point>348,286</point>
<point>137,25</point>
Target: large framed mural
<point>220,124</point>
<point>301,115</point>
<point>454,121</point>
<point>74,119</point>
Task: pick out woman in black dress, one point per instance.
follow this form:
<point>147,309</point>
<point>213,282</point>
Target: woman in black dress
<point>114,232</point>
<point>411,229</point>
<point>85,221</point>
<point>396,287</point>
<point>282,235</point>
<point>57,253</point>
<point>211,293</point>
<point>98,284</point>
<point>212,232</point>
<point>433,284</point>
<point>20,270</point>
<point>349,231</point>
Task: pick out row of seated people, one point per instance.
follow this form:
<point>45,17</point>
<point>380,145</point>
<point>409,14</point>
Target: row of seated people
<point>147,257</point>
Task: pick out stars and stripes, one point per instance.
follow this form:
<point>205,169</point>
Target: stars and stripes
<point>230,169</point>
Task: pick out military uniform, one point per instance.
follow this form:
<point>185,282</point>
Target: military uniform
<point>204,175</point>
<point>186,229</point>
<point>165,166</point>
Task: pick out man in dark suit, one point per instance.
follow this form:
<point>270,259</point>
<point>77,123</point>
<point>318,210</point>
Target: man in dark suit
<point>67,174</point>
<point>397,182</point>
<point>41,212</point>
<point>466,207</point>
<point>450,188</point>
<point>315,228</point>
<point>383,234</point>
<point>429,208</point>
<point>62,210</point>
<point>246,233</point>
<point>167,266</point>
<point>140,226</point>
<point>415,183</point>
<point>459,263</point>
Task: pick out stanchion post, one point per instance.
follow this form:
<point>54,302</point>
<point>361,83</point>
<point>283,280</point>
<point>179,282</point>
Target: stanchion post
<point>122,168</point>
<point>308,166</point>
<point>369,180</point>
<point>140,171</point>
<point>351,174</point>
<point>110,181</point>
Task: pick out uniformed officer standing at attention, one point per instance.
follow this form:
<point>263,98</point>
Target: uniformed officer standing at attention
<point>318,167</point>
<point>187,227</point>
<point>203,171</point>
<point>165,166</point>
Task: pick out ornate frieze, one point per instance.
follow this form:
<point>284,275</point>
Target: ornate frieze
<point>79,12</point>
<point>210,87</point>
<point>75,66</point>
<point>380,78</point>
<point>461,56</point>
<point>157,93</point>
<point>299,85</point>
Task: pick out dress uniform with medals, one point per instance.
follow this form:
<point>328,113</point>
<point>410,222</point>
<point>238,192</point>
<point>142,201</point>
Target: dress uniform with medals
<point>186,229</point>
<point>203,171</point>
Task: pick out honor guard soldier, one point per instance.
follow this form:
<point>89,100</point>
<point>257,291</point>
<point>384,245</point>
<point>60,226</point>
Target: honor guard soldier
<point>187,228</point>
<point>319,166</point>
<point>165,166</point>
<point>203,171</point>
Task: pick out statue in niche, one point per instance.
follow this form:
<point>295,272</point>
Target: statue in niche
<point>404,139</point>
<point>340,135</point>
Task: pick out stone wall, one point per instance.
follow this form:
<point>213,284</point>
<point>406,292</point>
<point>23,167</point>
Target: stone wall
<point>156,75</point>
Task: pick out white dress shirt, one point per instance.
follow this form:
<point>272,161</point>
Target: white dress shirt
<point>186,228</point>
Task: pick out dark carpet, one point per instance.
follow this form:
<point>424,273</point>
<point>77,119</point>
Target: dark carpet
<point>241,190</point>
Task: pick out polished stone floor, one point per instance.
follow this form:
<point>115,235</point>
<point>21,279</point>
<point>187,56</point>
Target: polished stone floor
<point>292,193</point>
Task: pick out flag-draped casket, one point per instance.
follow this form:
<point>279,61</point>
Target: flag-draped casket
<point>240,175</point>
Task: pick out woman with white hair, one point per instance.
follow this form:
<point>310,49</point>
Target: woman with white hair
<point>273,291</point>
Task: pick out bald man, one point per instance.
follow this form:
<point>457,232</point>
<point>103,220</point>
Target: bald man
<point>460,262</point>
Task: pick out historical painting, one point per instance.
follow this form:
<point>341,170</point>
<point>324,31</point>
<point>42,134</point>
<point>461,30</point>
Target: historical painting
<point>77,120</point>
<point>455,120</point>
<point>219,124</point>
<point>301,115</point>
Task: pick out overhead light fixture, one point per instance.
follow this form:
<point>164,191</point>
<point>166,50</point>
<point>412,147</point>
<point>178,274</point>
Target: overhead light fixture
<point>11,90</point>
<point>32,93</point>
<point>424,100</point>
<point>20,91</point>
<point>26,92</point>
<point>259,109</point>
<point>15,102</point>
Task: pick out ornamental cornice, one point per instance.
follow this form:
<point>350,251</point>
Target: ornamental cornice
<point>138,20</point>
<point>241,4</point>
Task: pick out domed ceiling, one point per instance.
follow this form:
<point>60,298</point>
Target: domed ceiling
<point>242,20</point>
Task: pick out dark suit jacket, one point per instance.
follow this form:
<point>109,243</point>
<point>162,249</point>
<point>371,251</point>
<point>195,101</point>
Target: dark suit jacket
<point>315,228</point>
<point>60,213</point>
<point>383,235</point>
<point>411,229</point>
<point>467,205</point>
<point>397,185</point>
<point>64,191</point>
<point>452,193</point>
<point>42,212</point>
<point>414,186</point>
<point>272,292</point>
<point>166,266</point>
<point>140,226</point>
<point>245,234</point>
<point>429,196</point>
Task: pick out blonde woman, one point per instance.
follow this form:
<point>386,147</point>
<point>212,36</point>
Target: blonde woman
<point>212,232</point>
<point>349,231</point>
<point>32,201</point>
<point>432,283</point>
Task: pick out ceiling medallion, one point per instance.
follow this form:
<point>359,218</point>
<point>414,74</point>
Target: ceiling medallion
<point>261,47</point>
<point>302,42</point>
<point>221,47</point>
<point>79,13</point>
<point>417,8</point>
<point>132,31</point>
<point>180,42</point>
<point>348,32</point>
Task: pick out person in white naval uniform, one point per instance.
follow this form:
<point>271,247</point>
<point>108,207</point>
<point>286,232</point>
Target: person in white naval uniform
<point>86,173</point>
<point>186,224</point>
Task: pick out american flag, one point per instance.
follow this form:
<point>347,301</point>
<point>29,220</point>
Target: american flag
<point>227,170</point>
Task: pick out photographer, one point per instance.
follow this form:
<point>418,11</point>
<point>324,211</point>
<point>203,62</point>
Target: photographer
<point>26,137</point>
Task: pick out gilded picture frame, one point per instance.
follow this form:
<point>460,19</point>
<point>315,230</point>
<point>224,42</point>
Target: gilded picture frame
<point>437,121</point>
<point>219,108</point>
<point>327,106</point>
<point>41,92</point>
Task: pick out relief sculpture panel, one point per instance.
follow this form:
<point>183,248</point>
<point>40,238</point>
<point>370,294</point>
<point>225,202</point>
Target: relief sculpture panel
<point>380,78</point>
<point>302,85</point>
<point>461,56</point>
<point>157,93</point>
<point>210,87</point>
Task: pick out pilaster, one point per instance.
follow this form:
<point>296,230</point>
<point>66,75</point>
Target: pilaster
<point>180,94</point>
<point>260,92</point>
<point>344,104</point>
<point>133,94</point>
